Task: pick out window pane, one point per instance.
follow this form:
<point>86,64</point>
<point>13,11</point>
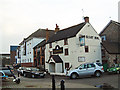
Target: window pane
<point>92,65</point>
<point>66,51</point>
<point>103,38</point>
<point>86,49</point>
<point>50,45</point>
<point>66,65</point>
<point>65,41</point>
<point>99,64</point>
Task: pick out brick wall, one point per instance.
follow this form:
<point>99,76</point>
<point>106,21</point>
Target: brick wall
<point>26,64</point>
<point>12,57</point>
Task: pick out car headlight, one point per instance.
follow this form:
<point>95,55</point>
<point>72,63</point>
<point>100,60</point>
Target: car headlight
<point>117,68</point>
<point>36,73</point>
<point>113,69</point>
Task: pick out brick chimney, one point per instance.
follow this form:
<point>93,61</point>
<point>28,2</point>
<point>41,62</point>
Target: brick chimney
<point>86,19</point>
<point>57,28</point>
<point>47,34</point>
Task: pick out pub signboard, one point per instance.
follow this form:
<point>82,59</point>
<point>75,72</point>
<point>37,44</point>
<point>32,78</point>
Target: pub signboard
<point>58,50</point>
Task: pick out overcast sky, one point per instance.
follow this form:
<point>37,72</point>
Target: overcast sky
<point>20,18</point>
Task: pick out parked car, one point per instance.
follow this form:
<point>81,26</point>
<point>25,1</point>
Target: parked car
<point>21,70</point>
<point>16,66</point>
<point>2,75</point>
<point>27,72</point>
<point>31,72</point>
<point>115,69</point>
<point>6,70</point>
<point>37,73</point>
<point>95,69</point>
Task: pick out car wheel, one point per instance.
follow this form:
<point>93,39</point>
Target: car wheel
<point>18,81</point>
<point>43,76</point>
<point>25,75</point>
<point>118,72</point>
<point>33,76</point>
<point>97,74</point>
<point>73,76</point>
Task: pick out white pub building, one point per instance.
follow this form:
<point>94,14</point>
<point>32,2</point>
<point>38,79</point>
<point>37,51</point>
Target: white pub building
<point>70,47</point>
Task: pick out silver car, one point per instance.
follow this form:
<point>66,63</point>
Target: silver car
<point>86,69</point>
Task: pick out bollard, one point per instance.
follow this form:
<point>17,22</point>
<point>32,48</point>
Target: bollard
<point>53,82</point>
<point>18,74</point>
<point>62,85</point>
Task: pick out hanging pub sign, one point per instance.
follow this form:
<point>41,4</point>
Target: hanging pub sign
<point>82,41</point>
<point>58,50</point>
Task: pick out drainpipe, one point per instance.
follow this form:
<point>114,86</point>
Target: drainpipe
<point>116,58</point>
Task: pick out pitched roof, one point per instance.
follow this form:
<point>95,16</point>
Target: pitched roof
<point>66,33</point>
<point>41,44</point>
<point>40,33</point>
<point>111,22</point>
<point>56,58</point>
<point>111,47</point>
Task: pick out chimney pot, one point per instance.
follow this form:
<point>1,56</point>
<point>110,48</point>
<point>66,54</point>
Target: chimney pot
<point>47,34</point>
<point>86,19</point>
<point>57,28</point>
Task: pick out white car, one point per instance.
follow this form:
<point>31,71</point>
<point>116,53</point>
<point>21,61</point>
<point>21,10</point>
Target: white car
<point>86,69</point>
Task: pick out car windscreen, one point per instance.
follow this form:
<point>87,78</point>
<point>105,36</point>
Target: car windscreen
<point>99,64</point>
<point>79,66</point>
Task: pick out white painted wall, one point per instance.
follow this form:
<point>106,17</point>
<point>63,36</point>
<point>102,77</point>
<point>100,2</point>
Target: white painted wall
<point>75,50</point>
<point>52,67</point>
<point>30,44</point>
<point>58,68</point>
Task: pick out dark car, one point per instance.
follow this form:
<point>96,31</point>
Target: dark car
<point>17,66</point>
<point>33,72</point>
<point>37,73</point>
<point>27,72</point>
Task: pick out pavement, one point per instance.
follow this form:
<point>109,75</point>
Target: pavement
<point>47,82</point>
<point>42,84</point>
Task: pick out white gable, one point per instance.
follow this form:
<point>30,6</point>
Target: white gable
<point>51,60</point>
<point>88,30</point>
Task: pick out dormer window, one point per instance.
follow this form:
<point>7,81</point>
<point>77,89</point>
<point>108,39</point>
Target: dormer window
<point>66,41</point>
<point>103,38</point>
<point>50,45</point>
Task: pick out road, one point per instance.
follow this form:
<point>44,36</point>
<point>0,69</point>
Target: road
<point>86,82</point>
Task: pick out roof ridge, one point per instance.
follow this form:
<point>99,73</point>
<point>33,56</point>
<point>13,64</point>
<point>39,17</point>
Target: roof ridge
<point>66,33</point>
<point>37,31</point>
<point>72,26</point>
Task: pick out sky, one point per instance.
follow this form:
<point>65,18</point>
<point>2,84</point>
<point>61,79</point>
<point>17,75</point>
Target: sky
<point>20,18</point>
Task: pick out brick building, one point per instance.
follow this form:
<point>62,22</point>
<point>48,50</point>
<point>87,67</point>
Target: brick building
<point>13,50</point>
<point>111,43</point>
